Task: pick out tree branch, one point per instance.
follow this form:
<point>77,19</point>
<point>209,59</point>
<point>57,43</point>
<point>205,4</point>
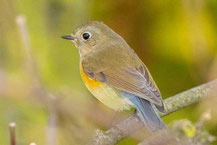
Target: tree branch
<point>133,123</point>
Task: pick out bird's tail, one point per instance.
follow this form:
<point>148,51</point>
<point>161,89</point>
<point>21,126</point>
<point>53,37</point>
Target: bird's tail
<point>150,117</point>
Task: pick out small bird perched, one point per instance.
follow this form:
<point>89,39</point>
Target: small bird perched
<point>114,73</point>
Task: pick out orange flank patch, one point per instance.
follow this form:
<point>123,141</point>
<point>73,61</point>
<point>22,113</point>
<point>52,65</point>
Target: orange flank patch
<point>91,83</point>
<point>106,94</point>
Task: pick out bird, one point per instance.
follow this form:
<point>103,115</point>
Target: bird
<point>115,75</point>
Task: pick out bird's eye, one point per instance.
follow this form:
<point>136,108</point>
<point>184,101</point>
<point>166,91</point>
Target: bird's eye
<point>86,36</point>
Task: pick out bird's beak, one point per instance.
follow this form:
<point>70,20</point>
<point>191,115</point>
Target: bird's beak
<point>69,37</point>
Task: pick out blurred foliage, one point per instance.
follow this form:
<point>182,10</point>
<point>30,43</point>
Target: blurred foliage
<point>177,40</point>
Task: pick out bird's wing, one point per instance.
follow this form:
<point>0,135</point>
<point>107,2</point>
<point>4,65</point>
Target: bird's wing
<point>134,80</point>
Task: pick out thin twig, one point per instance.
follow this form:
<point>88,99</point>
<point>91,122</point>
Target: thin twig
<point>44,95</point>
<point>12,127</point>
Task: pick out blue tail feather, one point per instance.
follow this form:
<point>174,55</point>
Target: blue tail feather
<point>150,117</point>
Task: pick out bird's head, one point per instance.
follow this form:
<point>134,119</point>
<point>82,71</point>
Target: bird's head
<point>90,35</point>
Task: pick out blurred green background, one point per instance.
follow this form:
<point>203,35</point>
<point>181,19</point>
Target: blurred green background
<point>177,40</point>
